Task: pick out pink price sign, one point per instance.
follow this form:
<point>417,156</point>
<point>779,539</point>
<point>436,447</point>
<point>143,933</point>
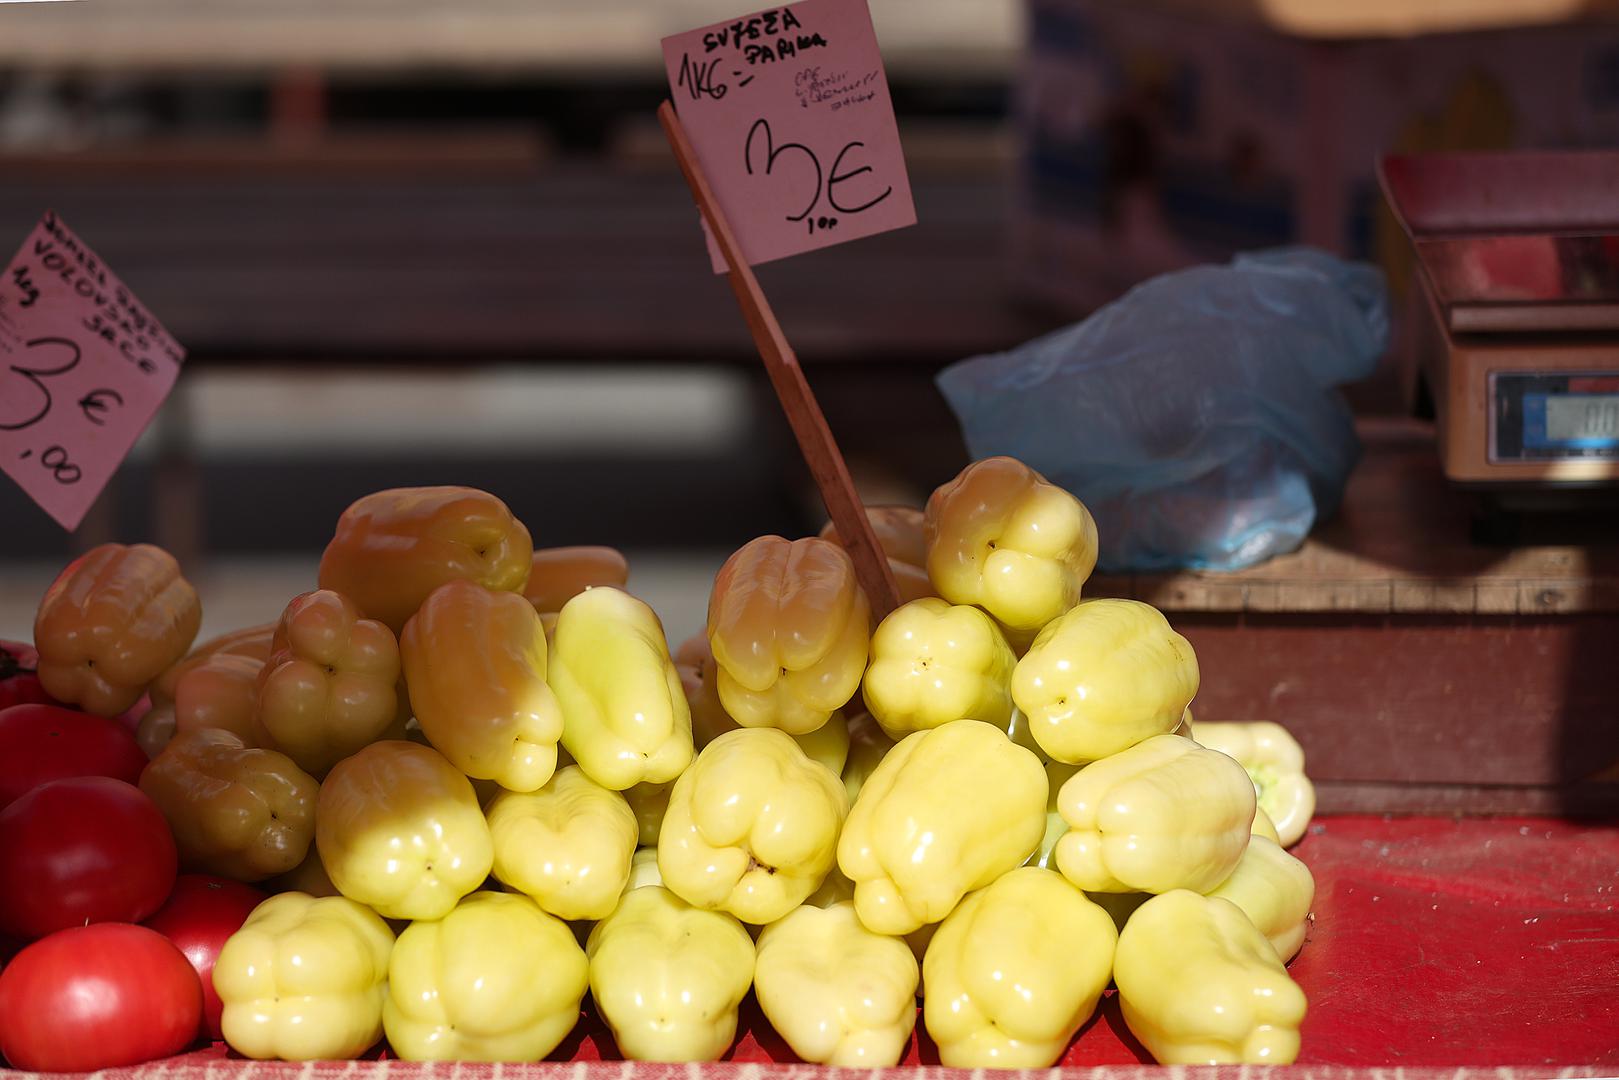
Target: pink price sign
<point>789,113</point>
<point>83,369</point>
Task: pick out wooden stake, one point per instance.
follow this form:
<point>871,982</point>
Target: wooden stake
<point>804,414</point>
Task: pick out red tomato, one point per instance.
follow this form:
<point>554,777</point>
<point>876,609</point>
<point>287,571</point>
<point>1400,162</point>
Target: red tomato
<point>97,997</point>
<point>200,914</point>
<point>18,683</point>
<point>88,849</point>
<point>40,743</point>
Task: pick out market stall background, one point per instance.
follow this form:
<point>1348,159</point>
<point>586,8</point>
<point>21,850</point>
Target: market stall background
<point>446,244</point>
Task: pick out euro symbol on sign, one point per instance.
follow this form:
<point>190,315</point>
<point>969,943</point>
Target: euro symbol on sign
<point>97,402</point>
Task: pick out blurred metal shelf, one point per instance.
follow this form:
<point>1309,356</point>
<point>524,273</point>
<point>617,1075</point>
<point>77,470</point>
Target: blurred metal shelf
<point>586,38</point>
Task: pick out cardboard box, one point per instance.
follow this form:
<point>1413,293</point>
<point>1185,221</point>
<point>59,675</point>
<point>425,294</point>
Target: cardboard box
<point>1154,137</point>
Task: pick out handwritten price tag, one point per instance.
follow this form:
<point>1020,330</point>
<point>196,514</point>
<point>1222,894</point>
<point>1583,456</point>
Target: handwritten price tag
<point>789,114</point>
<point>83,369</point>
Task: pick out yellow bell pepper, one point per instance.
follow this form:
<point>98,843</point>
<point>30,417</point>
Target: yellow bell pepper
<point>948,811</point>
<point>836,992</point>
<point>399,828</point>
<point>1058,773</point>
<point>110,624</point>
<point>789,626</point>
<point>932,662</point>
<point>475,666</point>
<point>752,826</point>
<point>393,548</point>
<point>331,684</point>
<point>567,845</point>
<point>557,575</point>
<point>1001,537</point>
<point>1199,985</point>
<point>1275,761</point>
<point>868,745</point>
<point>222,693</point>
<point>1275,891</point>
<point>251,641</point>
<point>644,869</point>
<point>1263,826</point>
<point>1103,677</point>
<point>304,979</point>
<point>497,979</point>
<point>899,534</point>
<point>626,717</point>
<point>156,728</point>
<point>1015,971</point>
<point>668,977</point>
<point>235,810</point>
<point>649,803</point>
<point>828,744</point>
<point>1164,814</point>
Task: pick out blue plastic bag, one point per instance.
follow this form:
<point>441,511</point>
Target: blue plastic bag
<point>1197,416</point>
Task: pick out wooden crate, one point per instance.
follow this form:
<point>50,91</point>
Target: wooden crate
<point>1421,670</point>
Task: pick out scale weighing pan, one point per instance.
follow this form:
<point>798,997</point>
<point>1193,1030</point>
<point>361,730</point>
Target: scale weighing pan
<point>1519,258</point>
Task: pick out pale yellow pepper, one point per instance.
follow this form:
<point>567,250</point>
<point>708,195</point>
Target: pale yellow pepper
<point>393,548</point>
<point>250,641</point>
<point>933,662</point>
<point>644,869</point>
<point>475,664</point>
<point>1164,814</point>
<point>331,684</point>
<point>789,626</point>
<point>156,728</point>
<point>497,979</point>
<point>948,811</point>
<point>399,828</point>
<point>868,745</point>
<point>1275,891</point>
<point>668,977</point>
<point>752,827</point>
<point>1102,678</point>
<point>1057,774</point>
<point>836,992</point>
<point>1001,537</point>
<point>557,575</point>
<point>1263,826</point>
<point>899,534</point>
<point>1199,985</point>
<point>235,810</point>
<point>1015,971</point>
<point>828,744</point>
<point>304,979</point>
<point>567,845</point>
<point>114,620</point>
<point>222,692</point>
<point>649,803</point>
<point>626,717</point>
<point>1119,905</point>
<point>1276,762</point>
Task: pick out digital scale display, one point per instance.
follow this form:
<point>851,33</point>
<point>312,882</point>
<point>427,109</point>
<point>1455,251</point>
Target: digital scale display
<point>1541,416</point>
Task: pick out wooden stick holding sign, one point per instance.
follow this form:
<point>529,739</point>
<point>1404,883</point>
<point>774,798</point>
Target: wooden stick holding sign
<point>815,439</point>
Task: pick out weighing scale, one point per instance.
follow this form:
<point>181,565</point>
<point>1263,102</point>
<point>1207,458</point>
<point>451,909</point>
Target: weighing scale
<point>1519,259</point>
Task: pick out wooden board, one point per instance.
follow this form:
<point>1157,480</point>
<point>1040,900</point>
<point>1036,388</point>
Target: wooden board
<point>1401,545</point>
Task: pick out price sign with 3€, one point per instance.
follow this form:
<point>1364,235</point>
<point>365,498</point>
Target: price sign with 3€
<point>789,113</point>
<point>83,369</point>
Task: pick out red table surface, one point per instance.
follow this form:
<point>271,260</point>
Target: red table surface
<point>1437,944</point>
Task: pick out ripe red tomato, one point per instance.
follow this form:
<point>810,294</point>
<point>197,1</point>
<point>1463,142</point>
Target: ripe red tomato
<point>88,849</point>
<point>97,997</point>
<point>40,743</point>
<point>200,914</point>
<point>18,683</point>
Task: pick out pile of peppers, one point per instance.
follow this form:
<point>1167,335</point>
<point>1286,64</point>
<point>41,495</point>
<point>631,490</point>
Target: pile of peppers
<point>481,786</point>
